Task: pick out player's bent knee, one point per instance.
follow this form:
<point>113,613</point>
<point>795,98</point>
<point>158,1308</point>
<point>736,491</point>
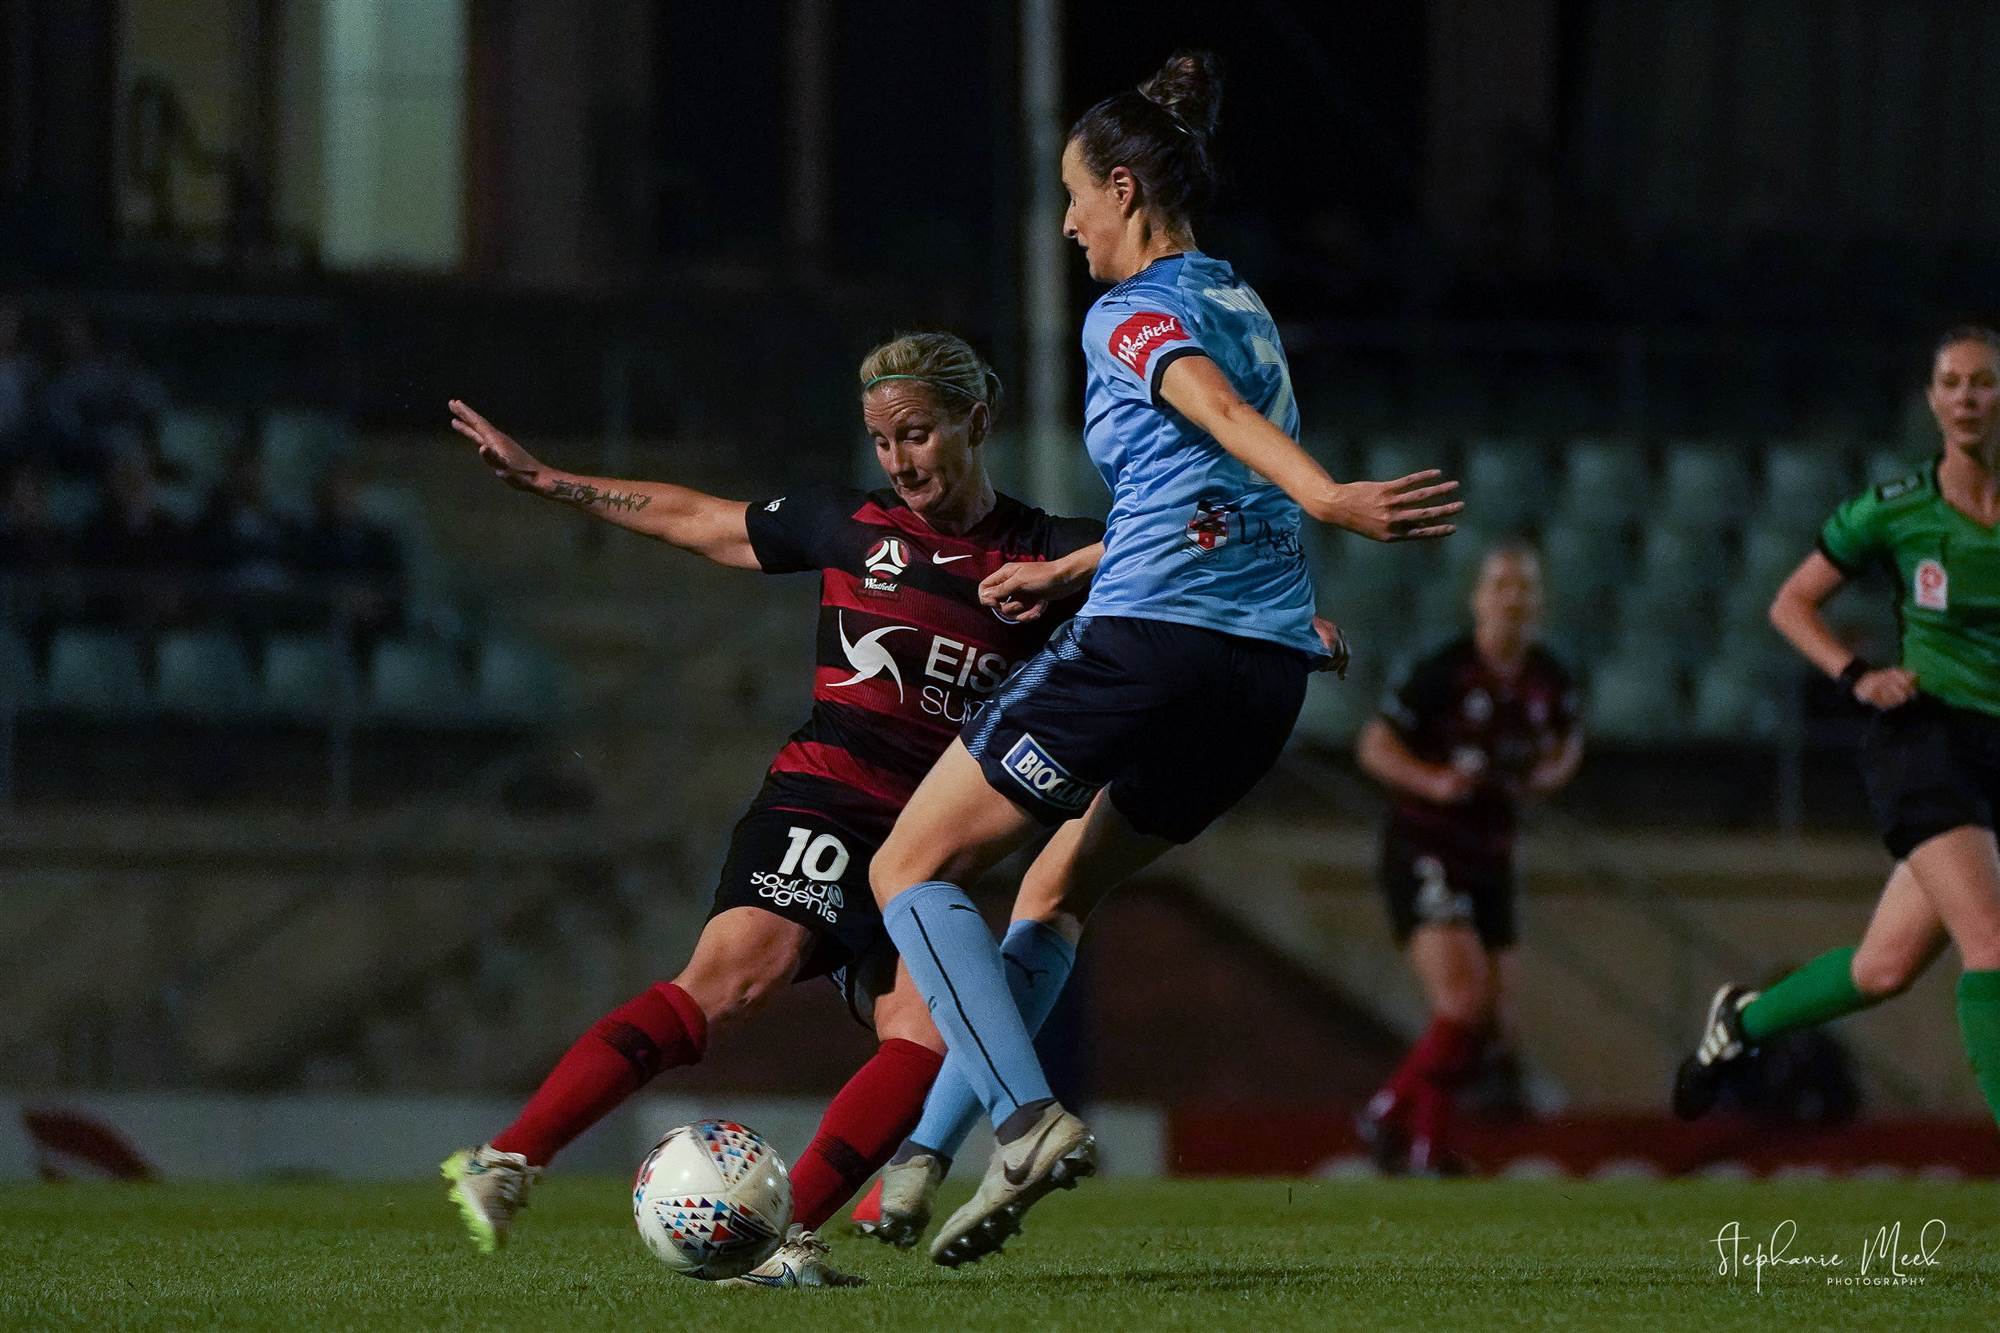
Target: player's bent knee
<point>897,866</point>
<point>1882,978</point>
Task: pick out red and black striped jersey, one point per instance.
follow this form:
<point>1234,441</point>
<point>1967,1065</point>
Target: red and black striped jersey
<point>1452,708</point>
<point>907,654</point>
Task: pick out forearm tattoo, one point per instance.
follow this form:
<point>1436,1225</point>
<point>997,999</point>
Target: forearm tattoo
<point>583,493</point>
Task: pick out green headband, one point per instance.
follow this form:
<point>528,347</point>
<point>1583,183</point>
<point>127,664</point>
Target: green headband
<point>923,379</point>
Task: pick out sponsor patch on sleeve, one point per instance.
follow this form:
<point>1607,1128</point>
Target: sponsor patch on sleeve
<point>1143,334</point>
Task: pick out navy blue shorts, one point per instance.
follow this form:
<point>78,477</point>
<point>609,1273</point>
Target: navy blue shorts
<point>1179,722</point>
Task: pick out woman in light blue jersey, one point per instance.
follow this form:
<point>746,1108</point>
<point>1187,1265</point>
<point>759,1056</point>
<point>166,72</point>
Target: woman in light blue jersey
<point>1175,688</point>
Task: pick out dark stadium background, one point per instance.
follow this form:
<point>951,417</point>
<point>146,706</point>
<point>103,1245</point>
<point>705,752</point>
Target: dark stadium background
<point>1657,281</point>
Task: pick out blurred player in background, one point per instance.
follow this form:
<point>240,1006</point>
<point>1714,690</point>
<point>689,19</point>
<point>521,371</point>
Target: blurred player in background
<point>1177,686</point>
<point>1487,720</point>
<point>1932,756</point>
<point>907,651</point>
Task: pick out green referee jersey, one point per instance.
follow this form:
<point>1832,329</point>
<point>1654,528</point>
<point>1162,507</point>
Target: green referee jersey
<point>1947,573</point>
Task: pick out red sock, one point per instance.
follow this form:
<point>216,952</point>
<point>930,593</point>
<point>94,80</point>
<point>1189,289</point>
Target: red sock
<point>876,1111</point>
<point>659,1029</point>
<point>1442,1057</point>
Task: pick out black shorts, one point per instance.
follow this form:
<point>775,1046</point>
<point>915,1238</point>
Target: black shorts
<point>1931,768</point>
<point>1425,887</point>
<point>807,869</point>
<point>1178,721</point>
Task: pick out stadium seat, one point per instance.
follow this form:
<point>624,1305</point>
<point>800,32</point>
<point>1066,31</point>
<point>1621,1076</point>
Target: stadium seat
<point>72,503</point>
<point>1583,563</point>
<point>1707,487</point>
<point>1803,482</point>
<point>297,446</point>
<point>197,444</point>
<point>1731,704</point>
<point>1605,484</point>
<point>17,672</point>
<point>304,677</point>
<point>400,510</point>
<point>204,673</point>
<point>520,683</point>
<point>1354,400</point>
<point>1635,700</point>
<point>1890,463</point>
<point>1369,593</point>
<point>1389,457</point>
<point>1758,655</point>
<point>415,681</point>
<point>1507,485</point>
<point>96,672</point>
<point>1652,628</point>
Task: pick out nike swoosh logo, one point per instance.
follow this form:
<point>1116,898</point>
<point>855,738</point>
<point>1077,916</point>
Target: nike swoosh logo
<point>1018,1178</point>
<point>937,559</point>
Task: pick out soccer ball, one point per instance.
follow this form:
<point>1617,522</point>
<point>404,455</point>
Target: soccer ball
<point>712,1200</point>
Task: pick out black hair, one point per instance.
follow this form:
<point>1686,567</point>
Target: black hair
<point>1163,132</point>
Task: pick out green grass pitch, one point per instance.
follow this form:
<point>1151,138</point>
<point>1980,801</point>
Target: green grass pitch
<point>1261,1255</point>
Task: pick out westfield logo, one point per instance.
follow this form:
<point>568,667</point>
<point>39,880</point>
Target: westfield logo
<point>1135,339</point>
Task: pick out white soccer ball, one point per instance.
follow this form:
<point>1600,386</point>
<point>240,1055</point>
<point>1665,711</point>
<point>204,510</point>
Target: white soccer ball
<point>712,1199</point>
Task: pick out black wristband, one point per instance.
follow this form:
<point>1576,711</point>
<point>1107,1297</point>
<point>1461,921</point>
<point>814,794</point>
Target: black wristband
<point>1851,674</point>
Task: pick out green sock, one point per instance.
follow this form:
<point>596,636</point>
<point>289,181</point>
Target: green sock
<point>1979,1024</point>
<point>1819,992</point>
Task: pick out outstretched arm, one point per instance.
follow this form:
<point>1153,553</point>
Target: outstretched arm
<point>1795,614</point>
<point>1407,509</point>
<point>676,515</point>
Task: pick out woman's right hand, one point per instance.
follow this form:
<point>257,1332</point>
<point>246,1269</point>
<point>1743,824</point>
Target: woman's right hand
<point>1394,511</point>
<point>1451,785</point>
<point>497,449</point>
<point>1889,687</point>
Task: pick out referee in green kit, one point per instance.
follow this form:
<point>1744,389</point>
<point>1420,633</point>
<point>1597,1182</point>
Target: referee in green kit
<point>1932,757</point>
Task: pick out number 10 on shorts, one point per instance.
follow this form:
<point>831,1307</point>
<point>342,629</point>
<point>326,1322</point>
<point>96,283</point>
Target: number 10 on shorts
<point>822,858</point>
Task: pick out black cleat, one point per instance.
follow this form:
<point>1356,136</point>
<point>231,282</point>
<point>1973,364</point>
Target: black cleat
<point>1698,1081</point>
<point>1387,1147</point>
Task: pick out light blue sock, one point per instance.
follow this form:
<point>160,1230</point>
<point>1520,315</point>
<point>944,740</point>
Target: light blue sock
<point>956,963</point>
<point>1038,963</point>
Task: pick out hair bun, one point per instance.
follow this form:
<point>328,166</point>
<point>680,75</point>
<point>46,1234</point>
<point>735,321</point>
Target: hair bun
<point>1189,88</point>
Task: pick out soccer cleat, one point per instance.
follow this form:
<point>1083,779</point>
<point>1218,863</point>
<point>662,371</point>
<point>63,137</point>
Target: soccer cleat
<point>1429,1162</point>
<point>903,1200</point>
<point>1055,1153</point>
<point>489,1187</point>
<point>1375,1125</point>
<point>1698,1081</point>
<point>799,1262</point>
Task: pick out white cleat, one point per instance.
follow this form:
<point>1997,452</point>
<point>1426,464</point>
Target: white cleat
<point>1055,1153</point>
<point>799,1262</point>
<point>489,1187</point>
<point>909,1192</point>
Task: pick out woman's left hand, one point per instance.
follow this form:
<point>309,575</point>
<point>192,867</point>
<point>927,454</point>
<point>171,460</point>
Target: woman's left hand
<point>1337,654</point>
<point>1021,590</point>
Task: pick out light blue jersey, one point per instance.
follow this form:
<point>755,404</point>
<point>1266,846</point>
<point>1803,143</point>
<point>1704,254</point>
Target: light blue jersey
<point>1195,536</point>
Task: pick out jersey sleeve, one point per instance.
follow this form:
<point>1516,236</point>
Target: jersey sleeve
<point>1129,342</point>
<point>1409,704</point>
<point>794,532</point>
<point>1855,537</point>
